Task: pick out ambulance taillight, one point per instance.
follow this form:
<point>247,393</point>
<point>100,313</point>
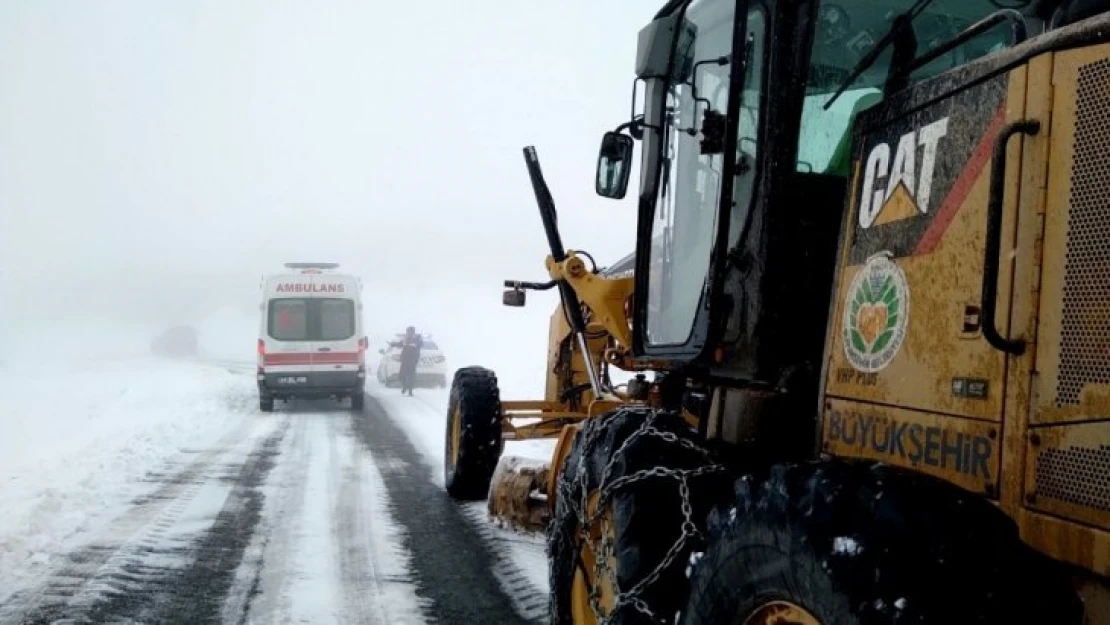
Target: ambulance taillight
<point>261,358</point>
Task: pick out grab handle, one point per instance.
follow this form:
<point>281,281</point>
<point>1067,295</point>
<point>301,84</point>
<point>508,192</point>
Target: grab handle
<point>994,235</point>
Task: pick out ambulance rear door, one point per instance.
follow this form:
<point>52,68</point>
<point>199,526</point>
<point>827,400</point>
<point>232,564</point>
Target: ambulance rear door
<point>287,339</point>
<point>337,352</point>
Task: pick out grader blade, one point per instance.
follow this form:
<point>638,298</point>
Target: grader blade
<point>518,494</point>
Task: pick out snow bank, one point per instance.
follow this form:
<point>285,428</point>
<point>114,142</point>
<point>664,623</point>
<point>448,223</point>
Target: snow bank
<point>77,435</point>
<point>88,341</point>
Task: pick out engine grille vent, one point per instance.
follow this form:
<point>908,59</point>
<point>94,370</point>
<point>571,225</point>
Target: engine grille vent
<point>1085,331</point>
<point>1079,476</point>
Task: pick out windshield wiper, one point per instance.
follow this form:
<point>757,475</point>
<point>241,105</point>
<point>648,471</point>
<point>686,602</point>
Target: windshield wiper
<point>901,23</point>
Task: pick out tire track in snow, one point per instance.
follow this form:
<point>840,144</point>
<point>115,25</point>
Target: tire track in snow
<point>130,567</point>
<point>508,549</point>
<point>451,561</point>
<point>56,588</point>
<point>196,593</point>
<point>326,551</point>
<point>256,593</point>
<point>519,560</point>
<point>375,569</point>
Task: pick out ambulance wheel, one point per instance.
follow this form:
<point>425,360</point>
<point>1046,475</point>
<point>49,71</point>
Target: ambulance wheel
<point>266,403</point>
<point>836,543</point>
<point>473,439</point>
<point>357,401</point>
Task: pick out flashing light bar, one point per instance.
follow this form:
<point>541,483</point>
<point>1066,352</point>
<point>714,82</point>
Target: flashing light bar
<point>311,265</point>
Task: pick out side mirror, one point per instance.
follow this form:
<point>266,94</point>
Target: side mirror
<point>513,297</point>
<point>614,164</point>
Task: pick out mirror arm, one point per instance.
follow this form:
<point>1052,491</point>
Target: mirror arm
<point>636,128</point>
<point>534,286</point>
<point>720,61</point>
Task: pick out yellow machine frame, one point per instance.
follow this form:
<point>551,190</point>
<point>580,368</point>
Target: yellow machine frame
<point>606,302</point>
<point>1037,453</point>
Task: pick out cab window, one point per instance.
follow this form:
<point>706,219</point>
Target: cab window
<point>694,160</point>
<point>845,31</point>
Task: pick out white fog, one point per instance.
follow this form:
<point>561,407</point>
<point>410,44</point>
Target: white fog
<point>159,157</point>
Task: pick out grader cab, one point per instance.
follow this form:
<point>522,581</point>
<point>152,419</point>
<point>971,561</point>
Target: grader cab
<point>874,235</point>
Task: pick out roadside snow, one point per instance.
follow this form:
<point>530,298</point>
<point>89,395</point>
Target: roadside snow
<point>76,438</point>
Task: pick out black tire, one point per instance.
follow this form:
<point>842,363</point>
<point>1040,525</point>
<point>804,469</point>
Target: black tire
<point>266,403</point>
<point>358,401</point>
<point>646,514</point>
<point>476,403</point>
<point>869,544</point>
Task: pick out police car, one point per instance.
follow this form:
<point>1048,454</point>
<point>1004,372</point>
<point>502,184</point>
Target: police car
<point>311,343</point>
<point>431,370</point>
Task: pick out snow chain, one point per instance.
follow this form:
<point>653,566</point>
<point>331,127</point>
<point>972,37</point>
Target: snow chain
<point>607,488</point>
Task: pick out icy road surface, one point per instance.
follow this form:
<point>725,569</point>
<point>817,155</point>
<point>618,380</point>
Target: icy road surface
<point>156,492</point>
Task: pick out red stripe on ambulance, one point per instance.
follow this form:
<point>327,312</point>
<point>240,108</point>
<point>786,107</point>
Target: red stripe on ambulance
<point>319,358</point>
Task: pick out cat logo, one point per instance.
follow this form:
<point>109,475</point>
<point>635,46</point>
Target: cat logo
<point>900,190</point>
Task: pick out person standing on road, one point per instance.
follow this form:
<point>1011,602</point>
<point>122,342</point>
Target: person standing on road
<point>410,355</point>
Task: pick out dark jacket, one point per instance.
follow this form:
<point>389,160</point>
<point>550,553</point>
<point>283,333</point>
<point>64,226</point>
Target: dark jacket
<point>410,350</point>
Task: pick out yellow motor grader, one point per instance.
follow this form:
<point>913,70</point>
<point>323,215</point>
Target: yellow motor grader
<point>875,234</point>
<point>589,333</point>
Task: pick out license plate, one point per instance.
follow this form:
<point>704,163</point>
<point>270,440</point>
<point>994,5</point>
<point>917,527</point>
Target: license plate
<point>293,379</point>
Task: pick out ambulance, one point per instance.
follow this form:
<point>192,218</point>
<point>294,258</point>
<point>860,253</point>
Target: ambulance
<point>311,343</point>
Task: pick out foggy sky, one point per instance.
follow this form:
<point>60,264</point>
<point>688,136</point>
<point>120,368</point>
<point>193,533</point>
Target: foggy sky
<point>157,157</point>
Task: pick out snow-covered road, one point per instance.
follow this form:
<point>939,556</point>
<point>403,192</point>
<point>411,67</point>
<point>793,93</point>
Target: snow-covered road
<point>164,496</point>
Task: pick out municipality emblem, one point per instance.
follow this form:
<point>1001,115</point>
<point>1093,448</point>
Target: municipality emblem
<point>875,318</point>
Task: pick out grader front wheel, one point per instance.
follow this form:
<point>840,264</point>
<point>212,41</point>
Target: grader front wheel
<point>472,441</point>
<point>630,499</point>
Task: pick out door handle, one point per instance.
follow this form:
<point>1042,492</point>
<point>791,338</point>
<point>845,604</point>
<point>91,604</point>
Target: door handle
<point>324,349</point>
<point>994,235</point>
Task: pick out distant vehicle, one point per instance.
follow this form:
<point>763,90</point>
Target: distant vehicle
<point>431,370</point>
<point>310,343</point>
<point>176,342</point>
